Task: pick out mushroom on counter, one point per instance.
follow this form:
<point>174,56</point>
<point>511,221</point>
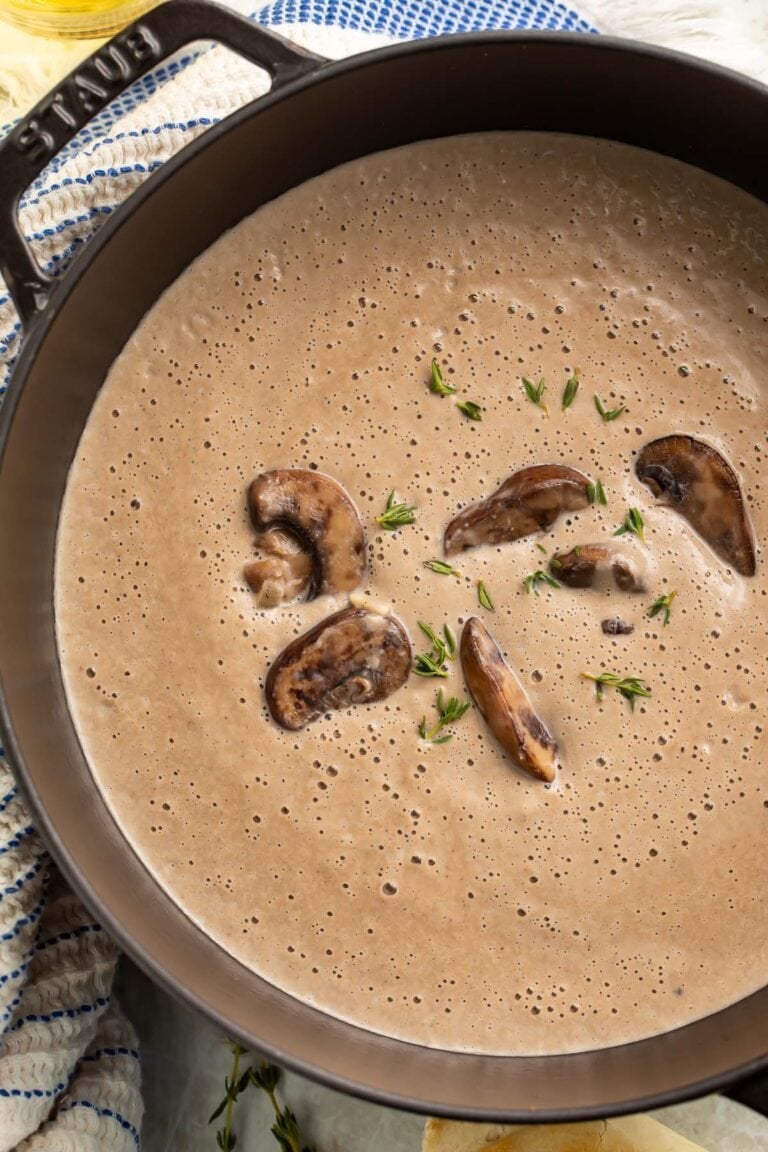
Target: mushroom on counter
<point>315,512</point>
<point>530,500</point>
<point>355,656</point>
<point>587,565</point>
<point>504,705</point>
<point>698,482</point>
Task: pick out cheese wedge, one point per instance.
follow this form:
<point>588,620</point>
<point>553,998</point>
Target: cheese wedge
<point>624,1134</point>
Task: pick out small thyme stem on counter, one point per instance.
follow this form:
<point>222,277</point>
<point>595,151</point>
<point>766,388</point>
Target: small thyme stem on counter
<point>484,597</point>
<point>596,492</point>
<point>441,568</point>
<point>629,687</point>
<point>448,711</point>
<point>531,583</point>
<point>396,515</point>
<point>470,409</point>
<point>570,390</point>
<point>234,1085</point>
<point>437,384</point>
<point>286,1127</point>
<point>608,414</point>
<point>535,393</point>
<point>663,604</point>
<point>632,523</point>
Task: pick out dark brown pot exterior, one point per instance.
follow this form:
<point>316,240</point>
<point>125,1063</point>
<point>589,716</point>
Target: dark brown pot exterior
<point>320,115</point>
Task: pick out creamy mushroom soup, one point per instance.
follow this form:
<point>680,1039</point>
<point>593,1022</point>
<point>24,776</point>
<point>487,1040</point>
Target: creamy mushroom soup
<point>391,855</point>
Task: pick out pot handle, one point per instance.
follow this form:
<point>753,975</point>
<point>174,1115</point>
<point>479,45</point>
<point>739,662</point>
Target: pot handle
<point>91,87</point>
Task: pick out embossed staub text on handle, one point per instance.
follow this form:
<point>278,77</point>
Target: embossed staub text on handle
<point>85,92</point>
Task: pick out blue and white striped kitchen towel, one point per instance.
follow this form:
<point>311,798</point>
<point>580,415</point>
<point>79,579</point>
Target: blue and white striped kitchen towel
<point>69,1068</point>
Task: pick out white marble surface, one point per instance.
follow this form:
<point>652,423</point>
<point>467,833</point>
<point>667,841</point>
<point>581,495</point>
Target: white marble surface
<point>185,1060</point>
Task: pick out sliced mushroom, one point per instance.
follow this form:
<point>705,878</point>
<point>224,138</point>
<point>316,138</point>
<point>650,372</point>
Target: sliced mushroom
<point>352,657</point>
<point>530,500</point>
<point>589,565</point>
<point>694,479</point>
<point>320,514</point>
<point>284,573</point>
<point>617,627</point>
<point>505,707</point>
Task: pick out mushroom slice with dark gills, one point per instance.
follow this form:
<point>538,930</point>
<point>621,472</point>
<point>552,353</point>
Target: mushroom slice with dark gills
<point>504,705</point>
<point>694,479</point>
<point>318,513</point>
<point>355,656</point>
<point>593,565</point>
<point>530,500</point>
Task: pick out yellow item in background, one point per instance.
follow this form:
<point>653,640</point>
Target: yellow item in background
<point>31,65</point>
<point>71,19</point>
<point>624,1134</point>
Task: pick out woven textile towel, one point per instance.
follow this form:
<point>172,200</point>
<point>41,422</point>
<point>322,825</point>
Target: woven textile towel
<point>69,1068</point>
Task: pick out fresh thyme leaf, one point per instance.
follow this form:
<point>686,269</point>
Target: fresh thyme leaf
<point>396,515</point>
<point>531,583</point>
<point>483,597</point>
<point>627,686</point>
<point>608,414</point>
<point>663,604</point>
<point>437,384</point>
<point>555,563</point>
<point>535,392</point>
<point>470,409</point>
<point>441,568</point>
<point>596,492</point>
<point>541,548</point>
<point>448,711</point>
<point>434,640</point>
<point>570,390</point>
<point>450,641</point>
<point>633,523</point>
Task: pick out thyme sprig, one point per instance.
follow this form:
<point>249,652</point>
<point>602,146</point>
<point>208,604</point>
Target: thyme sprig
<point>531,583</point>
<point>432,663</point>
<point>632,523</point>
<point>535,393</point>
<point>285,1128</point>
<point>234,1084</point>
<point>396,515</point>
<point>629,687</point>
<point>448,711</point>
<point>608,414</point>
<point>437,384</point>
<point>663,604</point>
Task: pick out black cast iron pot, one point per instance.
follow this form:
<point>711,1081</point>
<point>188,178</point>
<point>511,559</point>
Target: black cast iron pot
<point>318,115</point>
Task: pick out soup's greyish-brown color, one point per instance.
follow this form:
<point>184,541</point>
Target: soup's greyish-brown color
<point>434,892</point>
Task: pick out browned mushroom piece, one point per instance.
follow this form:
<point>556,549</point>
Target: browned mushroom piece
<point>355,656</point>
<point>617,627</point>
<point>503,702</point>
<point>319,514</point>
<point>693,478</point>
<point>530,500</point>
<point>282,573</point>
<point>589,565</point>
